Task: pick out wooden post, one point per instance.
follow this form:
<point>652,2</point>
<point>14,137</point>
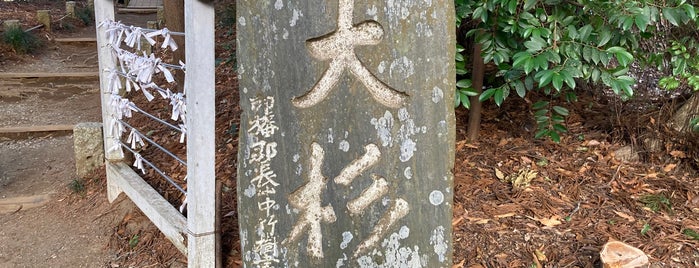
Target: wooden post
<point>104,9</point>
<point>347,133</point>
<point>200,92</point>
<point>44,17</point>
<point>70,9</point>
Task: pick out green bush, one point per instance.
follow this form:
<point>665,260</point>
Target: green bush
<point>20,41</point>
<point>86,15</point>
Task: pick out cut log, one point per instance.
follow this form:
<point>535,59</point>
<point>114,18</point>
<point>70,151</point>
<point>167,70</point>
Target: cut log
<point>617,254</point>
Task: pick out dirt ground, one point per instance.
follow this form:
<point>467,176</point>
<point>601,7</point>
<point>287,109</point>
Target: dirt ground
<point>581,197</point>
<point>48,216</point>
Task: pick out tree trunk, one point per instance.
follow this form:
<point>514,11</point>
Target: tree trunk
<point>688,111</point>
<point>477,74</point>
<point>174,21</point>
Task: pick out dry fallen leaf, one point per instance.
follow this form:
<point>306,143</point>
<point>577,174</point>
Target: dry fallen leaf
<point>592,143</point>
<point>499,174</point>
<point>540,255</point>
<point>505,215</point>
<point>678,154</point>
<point>550,222</point>
<point>669,167</point>
<point>625,216</point>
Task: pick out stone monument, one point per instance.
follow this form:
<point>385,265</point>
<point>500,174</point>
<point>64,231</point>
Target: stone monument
<point>347,133</point>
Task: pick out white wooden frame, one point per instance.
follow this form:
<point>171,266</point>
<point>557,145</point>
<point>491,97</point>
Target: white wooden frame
<point>199,228</point>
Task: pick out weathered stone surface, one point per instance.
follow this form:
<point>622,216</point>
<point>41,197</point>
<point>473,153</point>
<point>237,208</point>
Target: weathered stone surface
<point>44,17</point>
<point>88,146</point>
<point>9,24</point>
<point>626,154</point>
<point>347,133</point>
<point>70,9</point>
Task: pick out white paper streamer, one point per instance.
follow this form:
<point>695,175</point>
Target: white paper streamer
<point>138,163</point>
<point>135,139</point>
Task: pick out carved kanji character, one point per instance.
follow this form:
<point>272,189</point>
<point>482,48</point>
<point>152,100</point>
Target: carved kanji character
<point>338,47</point>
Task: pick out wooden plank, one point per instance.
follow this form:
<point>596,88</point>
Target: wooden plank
<point>49,75</point>
<point>347,133</point>
<point>35,131</point>
<point>139,10</point>
<point>13,204</point>
<point>163,215</point>
<point>76,40</point>
<point>200,101</point>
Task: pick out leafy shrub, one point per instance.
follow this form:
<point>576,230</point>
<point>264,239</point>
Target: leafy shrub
<point>20,41</point>
<point>86,15</point>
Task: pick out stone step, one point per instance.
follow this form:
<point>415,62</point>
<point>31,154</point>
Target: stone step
<point>49,75</point>
<point>15,204</point>
<point>79,40</point>
<point>18,133</point>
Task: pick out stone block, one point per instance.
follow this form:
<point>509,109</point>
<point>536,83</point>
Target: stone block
<point>44,17</point>
<point>70,9</point>
<point>89,148</point>
<point>347,133</point>
<point>9,24</point>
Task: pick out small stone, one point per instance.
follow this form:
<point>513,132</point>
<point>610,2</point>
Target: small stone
<point>89,148</point>
<point>626,154</point>
<point>616,254</point>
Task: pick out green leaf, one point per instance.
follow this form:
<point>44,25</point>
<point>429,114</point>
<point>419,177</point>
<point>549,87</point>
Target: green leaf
<point>587,53</point>
<point>645,229</point>
<point>529,4</point>
<point>642,21</point>
<point>486,94</point>
<point>555,137</point>
<point>585,32</point>
<point>463,83</point>
<point>557,81</point>
<point>459,57</point>
<point>691,12</point>
<point>535,44</point>
<point>540,133</point>
<point>541,113</point>
<point>539,105</point>
<point>459,48</point>
<point>457,99</point>
<point>529,82</point>
<point>560,110</point>
<point>560,128</point>
<point>520,59</point>
<point>470,92</point>
<point>671,14</point>
<point>573,32</point>
<point>519,87</point>
<point>622,56</point>
<point>691,234</point>
<point>568,78</point>
<point>545,77</point>
<point>480,13</point>
<point>499,96</point>
<point>604,37</point>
